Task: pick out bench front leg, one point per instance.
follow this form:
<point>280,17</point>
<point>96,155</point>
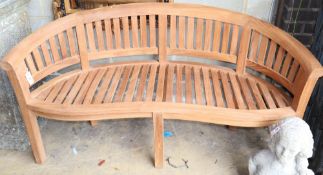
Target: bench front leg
<point>158,139</point>
<point>32,128</point>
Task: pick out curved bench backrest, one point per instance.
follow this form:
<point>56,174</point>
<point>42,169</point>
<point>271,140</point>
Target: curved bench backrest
<point>164,29</point>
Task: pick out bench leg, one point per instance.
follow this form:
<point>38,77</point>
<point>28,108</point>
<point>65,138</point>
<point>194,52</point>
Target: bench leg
<point>158,139</point>
<point>32,128</point>
<point>93,123</point>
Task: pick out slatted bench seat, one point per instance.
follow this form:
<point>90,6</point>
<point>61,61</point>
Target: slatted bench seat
<point>206,65</point>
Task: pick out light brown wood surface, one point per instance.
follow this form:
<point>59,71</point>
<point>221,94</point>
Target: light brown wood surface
<point>245,94</point>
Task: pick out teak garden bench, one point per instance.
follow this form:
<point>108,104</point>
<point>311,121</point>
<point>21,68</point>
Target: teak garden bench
<point>62,71</point>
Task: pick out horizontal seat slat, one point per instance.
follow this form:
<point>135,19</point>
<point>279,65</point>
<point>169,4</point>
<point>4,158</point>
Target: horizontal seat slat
<point>169,83</point>
<point>246,91</point>
<point>75,89</point>
<point>94,86</point>
<point>179,87</point>
<point>123,84</point>
<point>104,86</point>
<point>114,84</point>
<point>163,83</point>
<point>65,89</point>
<point>237,91</point>
<point>151,83</point>
<point>132,84</point>
<point>85,87</point>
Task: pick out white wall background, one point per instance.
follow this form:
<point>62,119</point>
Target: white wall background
<point>262,9</point>
<point>40,11</point>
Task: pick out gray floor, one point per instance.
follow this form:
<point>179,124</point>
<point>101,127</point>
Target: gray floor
<point>126,146</point>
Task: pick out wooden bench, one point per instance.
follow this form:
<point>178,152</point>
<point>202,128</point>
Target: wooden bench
<point>74,69</point>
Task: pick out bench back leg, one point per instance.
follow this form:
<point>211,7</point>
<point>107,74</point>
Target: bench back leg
<point>93,123</point>
<point>32,128</point>
<point>158,139</point>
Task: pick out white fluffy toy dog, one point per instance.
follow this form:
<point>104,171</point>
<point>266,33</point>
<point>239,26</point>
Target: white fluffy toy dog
<point>290,146</point>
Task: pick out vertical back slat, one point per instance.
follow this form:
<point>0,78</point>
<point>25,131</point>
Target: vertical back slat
<point>271,54</point>
<point>143,31</point>
<point>225,37</point>
<point>30,64</point>
<point>38,59</point>
<point>108,33</point>
<point>173,29</point>
<point>234,40</point>
<point>134,31</point>
<point>99,34</point>
<point>262,50</point>
<point>199,33</point>
<point>286,65</point>
<point>293,71</point>
<point>181,31</point>
<point>162,38</point>
<point>71,41</point>
<point>53,48</point>
<point>44,49</point>
<point>62,44</point>
<point>152,30</point>
<point>125,26</point>
<point>190,33</point>
<point>90,36</point>
<point>216,36</point>
<point>254,46</point>
<point>279,59</point>
<point>116,31</point>
<point>208,35</point>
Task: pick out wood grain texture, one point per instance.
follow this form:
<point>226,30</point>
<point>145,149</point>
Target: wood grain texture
<point>152,30</point>
<point>127,89</point>
<point>158,122</point>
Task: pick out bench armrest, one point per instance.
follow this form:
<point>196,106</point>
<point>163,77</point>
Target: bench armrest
<point>304,93</point>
